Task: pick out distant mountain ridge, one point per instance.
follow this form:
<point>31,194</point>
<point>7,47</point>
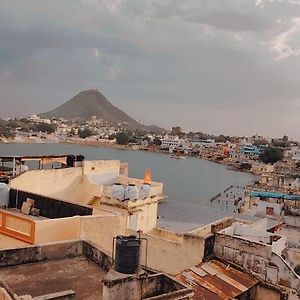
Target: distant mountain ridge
<point>93,103</point>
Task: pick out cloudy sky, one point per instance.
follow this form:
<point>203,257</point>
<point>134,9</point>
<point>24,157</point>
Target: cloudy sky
<point>218,66</point>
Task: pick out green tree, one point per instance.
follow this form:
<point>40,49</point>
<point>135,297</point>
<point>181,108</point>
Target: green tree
<point>279,143</point>
<point>222,138</point>
<point>157,142</point>
<point>122,138</point>
<point>5,131</point>
<point>297,269</point>
<point>146,138</point>
<point>133,139</point>
<point>86,132</point>
<point>111,137</point>
<point>44,127</point>
<point>261,142</point>
<point>271,155</point>
<point>72,131</point>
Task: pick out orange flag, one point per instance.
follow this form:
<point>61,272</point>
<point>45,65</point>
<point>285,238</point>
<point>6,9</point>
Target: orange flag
<point>147,177</point>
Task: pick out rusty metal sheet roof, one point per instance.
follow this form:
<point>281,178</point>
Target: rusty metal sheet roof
<point>221,281</point>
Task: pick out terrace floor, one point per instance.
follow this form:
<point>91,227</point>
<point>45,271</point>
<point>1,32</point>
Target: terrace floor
<point>77,274</point>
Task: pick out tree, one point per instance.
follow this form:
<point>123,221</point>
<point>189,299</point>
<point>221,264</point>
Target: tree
<point>122,138</point>
<point>72,132</point>
<point>271,155</point>
<point>86,132</point>
<point>157,142</point>
<point>111,137</point>
<point>279,143</point>
<point>133,139</point>
<point>5,131</point>
<point>261,142</point>
<point>222,138</point>
<point>44,127</point>
<point>297,269</point>
<point>146,138</point>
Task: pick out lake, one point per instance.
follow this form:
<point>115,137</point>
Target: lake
<point>187,182</point>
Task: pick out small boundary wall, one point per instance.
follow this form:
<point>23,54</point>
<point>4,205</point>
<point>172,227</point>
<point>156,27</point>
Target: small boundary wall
<point>258,260</point>
<point>18,227</point>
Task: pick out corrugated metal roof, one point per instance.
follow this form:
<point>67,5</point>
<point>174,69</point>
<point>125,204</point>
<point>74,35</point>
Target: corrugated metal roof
<point>215,280</point>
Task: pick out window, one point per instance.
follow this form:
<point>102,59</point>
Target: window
<point>269,211</point>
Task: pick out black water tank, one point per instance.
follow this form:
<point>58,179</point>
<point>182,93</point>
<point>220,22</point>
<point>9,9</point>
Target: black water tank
<point>70,160</point>
<point>80,157</point>
<point>127,254</point>
<point>4,179</point>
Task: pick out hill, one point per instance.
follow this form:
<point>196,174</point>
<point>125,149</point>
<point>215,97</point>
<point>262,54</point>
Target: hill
<point>92,103</point>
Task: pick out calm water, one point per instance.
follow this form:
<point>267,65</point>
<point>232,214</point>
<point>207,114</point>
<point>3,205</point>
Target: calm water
<point>189,181</point>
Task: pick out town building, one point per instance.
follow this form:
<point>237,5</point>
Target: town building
<point>251,150</point>
<point>64,222</point>
<point>176,130</point>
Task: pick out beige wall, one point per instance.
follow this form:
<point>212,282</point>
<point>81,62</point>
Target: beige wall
<point>293,256</point>
<point>60,183</point>
<point>52,230</point>
<point>171,256</point>
<point>101,229</point>
<point>98,166</point>
<point>256,259</point>
<point>167,251</point>
<point>86,191</point>
<point>262,293</point>
<point>147,217</point>
<point>9,242</point>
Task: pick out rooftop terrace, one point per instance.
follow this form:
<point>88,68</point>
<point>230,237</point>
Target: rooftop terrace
<point>78,274</point>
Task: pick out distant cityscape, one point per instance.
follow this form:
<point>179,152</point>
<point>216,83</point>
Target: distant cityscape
<point>241,153</point>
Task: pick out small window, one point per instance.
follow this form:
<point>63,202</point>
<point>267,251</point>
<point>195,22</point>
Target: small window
<point>269,211</point>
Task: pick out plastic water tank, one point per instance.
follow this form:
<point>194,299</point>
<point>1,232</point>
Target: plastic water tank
<point>4,194</point>
<point>145,190</point>
<point>80,157</point>
<point>70,160</point>
<point>127,254</point>
<point>131,192</point>
<point>118,191</point>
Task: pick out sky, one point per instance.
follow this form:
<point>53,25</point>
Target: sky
<point>216,66</point>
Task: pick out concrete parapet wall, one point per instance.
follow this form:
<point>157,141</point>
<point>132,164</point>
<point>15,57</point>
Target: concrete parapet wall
<point>116,286</point>
<point>55,230</point>
<point>293,256</point>
<point>33,254</point>
<point>173,254</point>
<point>257,259</point>
<point>101,229</point>
<point>101,258</point>
<point>169,235</point>
<point>6,293</point>
<point>96,166</point>
<point>65,295</point>
<point>292,221</point>
<point>61,183</point>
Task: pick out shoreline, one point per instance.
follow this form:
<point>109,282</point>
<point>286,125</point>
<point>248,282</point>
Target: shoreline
<point>102,144</point>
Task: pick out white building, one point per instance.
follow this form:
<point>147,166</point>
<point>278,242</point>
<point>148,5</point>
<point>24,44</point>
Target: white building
<point>170,142</point>
<point>295,153</point>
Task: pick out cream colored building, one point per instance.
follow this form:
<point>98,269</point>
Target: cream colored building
<point>90,186</point>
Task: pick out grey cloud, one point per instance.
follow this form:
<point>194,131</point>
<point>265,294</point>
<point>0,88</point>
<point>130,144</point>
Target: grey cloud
<point>190,61</point>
